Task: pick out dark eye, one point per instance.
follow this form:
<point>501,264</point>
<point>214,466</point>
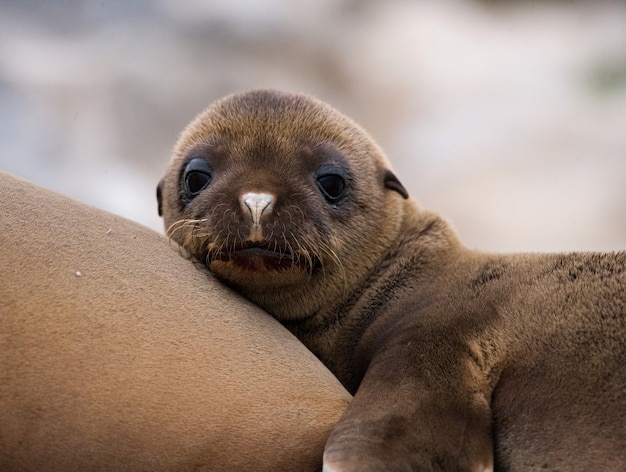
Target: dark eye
<point>332,184</point>
<point>196,177</point>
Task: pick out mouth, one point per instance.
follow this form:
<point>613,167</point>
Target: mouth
<point>258,258</point>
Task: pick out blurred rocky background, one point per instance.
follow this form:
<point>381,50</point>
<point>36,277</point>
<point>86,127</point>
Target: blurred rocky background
<point>507,117</point>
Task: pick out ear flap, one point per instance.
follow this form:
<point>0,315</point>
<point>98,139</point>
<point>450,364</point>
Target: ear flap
<point>159,196</point>
<point>391,181</point>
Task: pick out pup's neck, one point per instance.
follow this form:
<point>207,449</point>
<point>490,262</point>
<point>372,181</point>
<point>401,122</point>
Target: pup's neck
<point>425,242</point>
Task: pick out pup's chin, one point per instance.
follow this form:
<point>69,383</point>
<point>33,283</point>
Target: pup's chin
<point>259,273</point>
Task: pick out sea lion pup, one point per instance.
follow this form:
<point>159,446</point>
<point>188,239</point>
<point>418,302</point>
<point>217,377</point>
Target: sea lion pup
<point>459,360</point>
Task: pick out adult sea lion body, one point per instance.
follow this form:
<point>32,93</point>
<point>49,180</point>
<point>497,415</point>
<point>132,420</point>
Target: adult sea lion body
<point>459,360</point>
<point>116,355</point>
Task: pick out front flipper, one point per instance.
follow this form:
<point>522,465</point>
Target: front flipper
<point>399,421</point>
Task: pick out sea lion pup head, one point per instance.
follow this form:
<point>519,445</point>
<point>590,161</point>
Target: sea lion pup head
<point>284,199</point>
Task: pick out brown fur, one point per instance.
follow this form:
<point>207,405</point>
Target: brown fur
<point>116,354</point>
<point>460,360</point>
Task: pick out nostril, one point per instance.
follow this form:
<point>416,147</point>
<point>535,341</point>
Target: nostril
<point>257,204</point>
